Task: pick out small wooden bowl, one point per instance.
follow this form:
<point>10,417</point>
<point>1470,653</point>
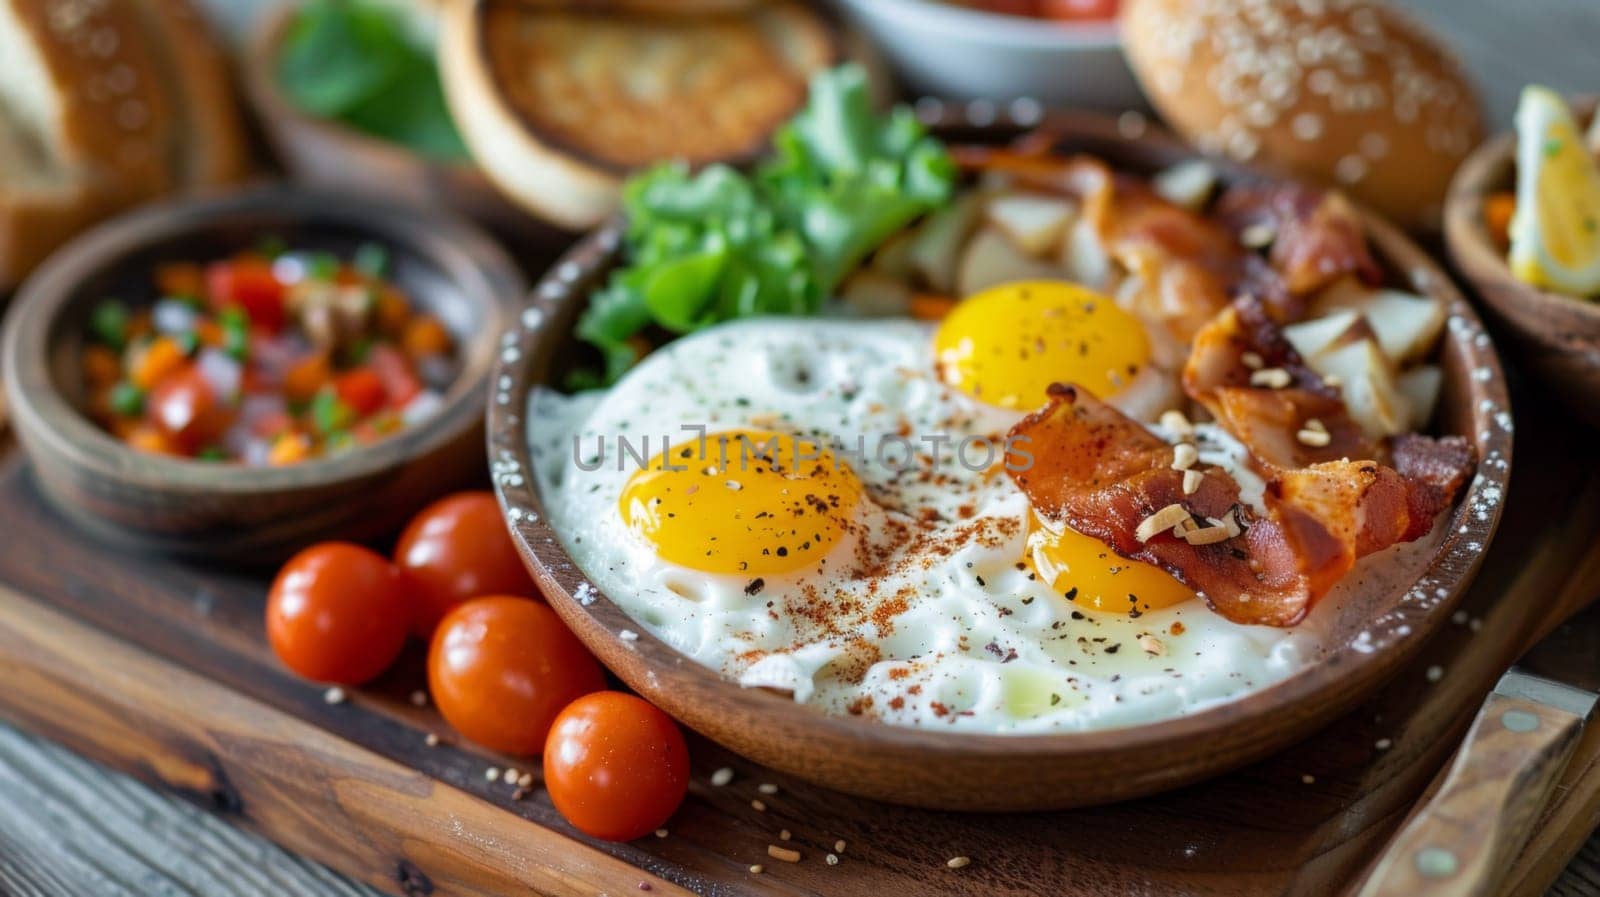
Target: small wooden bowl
<point>225,511</point>
<point>1394,608</point>
<point>1555,336</point>
<point>324,152</point>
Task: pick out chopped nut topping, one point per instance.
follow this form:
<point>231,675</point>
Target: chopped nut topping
<point>1257,236</point>
<point>1271,378</point>
<point>1253,361</point>
<point>1161,521</point>
<point>721,777</point>
<point>783,853</point>
<point>1152,645</point>
<point>1177,423</point>
<point>1207,535</point>
<point>1191,481</point>
<point>1184,456</point>
<point>1314,438</point>
<point>958,862</point>
<point>767,788</point>
<point>838,846</point>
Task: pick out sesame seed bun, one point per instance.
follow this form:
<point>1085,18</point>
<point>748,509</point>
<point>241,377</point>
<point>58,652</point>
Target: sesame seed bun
<point>1349,93</point>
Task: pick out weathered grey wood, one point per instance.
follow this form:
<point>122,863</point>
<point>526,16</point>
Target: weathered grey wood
<point>70,829</point>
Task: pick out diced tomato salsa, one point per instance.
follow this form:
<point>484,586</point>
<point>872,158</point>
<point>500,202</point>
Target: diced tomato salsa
<point>266,358</point>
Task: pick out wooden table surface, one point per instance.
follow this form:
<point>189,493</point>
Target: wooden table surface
<point>70,829</point>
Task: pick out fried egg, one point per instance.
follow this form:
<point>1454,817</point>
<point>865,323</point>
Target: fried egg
<point>821,507</point>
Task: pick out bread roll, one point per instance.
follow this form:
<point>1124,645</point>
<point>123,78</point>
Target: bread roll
<point>103,104</point>
<point>1350,93</point>
<point>559,106</point>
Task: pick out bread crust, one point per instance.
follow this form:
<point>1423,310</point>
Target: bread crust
<point>1349,93</point>
<point>559,106</point>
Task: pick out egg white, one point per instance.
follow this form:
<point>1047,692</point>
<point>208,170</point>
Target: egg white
<point>956,633</point>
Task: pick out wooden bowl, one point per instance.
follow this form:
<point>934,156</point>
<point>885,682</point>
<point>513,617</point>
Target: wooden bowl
<point>1393,610</point>
<point>224,511</point>
<point>325,152</point>
<point>1555,336</point>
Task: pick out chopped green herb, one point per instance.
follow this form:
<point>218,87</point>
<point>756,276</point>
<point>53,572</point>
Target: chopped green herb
<point>235,332</point>
<point>271,246</point>
<point>1552,147</point>
<point>110,323</point>
<point>322,266</point>
<point>329,414</point>
<point>127,400</point>
<point>213,453</point>
<point>187,341</point>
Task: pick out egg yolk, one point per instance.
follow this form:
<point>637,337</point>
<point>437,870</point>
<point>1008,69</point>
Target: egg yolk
<point>1006,345</point>
<point>1096,578</point>
<point>749,502</point>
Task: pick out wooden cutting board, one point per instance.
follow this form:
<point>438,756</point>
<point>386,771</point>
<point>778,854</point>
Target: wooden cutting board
<point>161,670</point>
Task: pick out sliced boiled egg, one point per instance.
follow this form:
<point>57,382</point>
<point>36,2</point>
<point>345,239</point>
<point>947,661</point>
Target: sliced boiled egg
<point>1005,345</point>
<point>752,502</point>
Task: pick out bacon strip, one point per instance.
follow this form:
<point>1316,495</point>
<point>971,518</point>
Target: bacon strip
<point>1317,234</point>
<point>1102,474</point>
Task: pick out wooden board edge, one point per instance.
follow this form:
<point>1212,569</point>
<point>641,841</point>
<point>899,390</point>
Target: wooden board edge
<point>299,786</point>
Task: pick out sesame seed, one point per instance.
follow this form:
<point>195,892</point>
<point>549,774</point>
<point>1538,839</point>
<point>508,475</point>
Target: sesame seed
<point>492,773</point>
<point>758,806</point>
<point>419,698</point>
<point>783,835</point>
<point>721,777</point>
<point>334,695</point>
<point>1435,673</point>
<point>1252,360</point>
<point>1459,618</point>
<point>767,788</point>
<point>511,775</point>
<point>1383,744</point>
<point>661,833</point>
<point>1308,779</point>
<point>1271,378</point>
<point>1314,438</point>
<point>958,862</point>
<point>757,869</point>
<point>783,853</point>
<point>838,846</point>
<point>432,740</point>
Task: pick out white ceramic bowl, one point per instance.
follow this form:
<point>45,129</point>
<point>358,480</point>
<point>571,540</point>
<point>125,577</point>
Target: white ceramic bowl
<point>944,50</point>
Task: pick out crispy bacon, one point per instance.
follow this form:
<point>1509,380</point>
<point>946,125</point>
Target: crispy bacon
<point>1317,234</point>
<point>1265,419</point>
<point>1103,474</point>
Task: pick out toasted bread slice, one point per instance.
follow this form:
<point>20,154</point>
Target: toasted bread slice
<point>558,106</point>
<point>210,147</point>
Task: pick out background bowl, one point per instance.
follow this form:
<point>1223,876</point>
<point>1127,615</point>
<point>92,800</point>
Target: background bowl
<point>952,51</point>
<point>226,511</point>
<point>330,153</point>
<point>1394,607</point>
<point>1557,337</point>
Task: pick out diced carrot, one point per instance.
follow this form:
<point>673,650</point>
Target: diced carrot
<point>289,448</point>
<point>147,438</point>
<point>210,333</point>
<point>393,311</point>
<point>159,358</point>
<point>181,279</point>
<point>101,366</point>
<point>425,336</point>
<point>306,376</point>
<point>931,307</point>
<point>1497,212</point>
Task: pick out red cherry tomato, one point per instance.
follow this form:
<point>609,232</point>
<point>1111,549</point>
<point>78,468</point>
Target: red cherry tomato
<point>501,668</point>
<point>249,283</point>
<point>184,406</point>
<point>455,549</point>
<point>1010,7</point>
<point>400,383</point>
<point>338,613</point>
<point>361,389</point>
<point>1078,10</point>
<point>615,766</point>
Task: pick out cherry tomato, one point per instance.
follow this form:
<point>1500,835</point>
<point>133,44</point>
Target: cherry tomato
<point>455,549</point>
<point>185,407</point>
<point>501,668</point>
<point>615,766</point>
<point>1010,7</point>
<point>249,283</point>
<point>360,389</point>
<point>1078,10</point>
<point>338,613</point>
